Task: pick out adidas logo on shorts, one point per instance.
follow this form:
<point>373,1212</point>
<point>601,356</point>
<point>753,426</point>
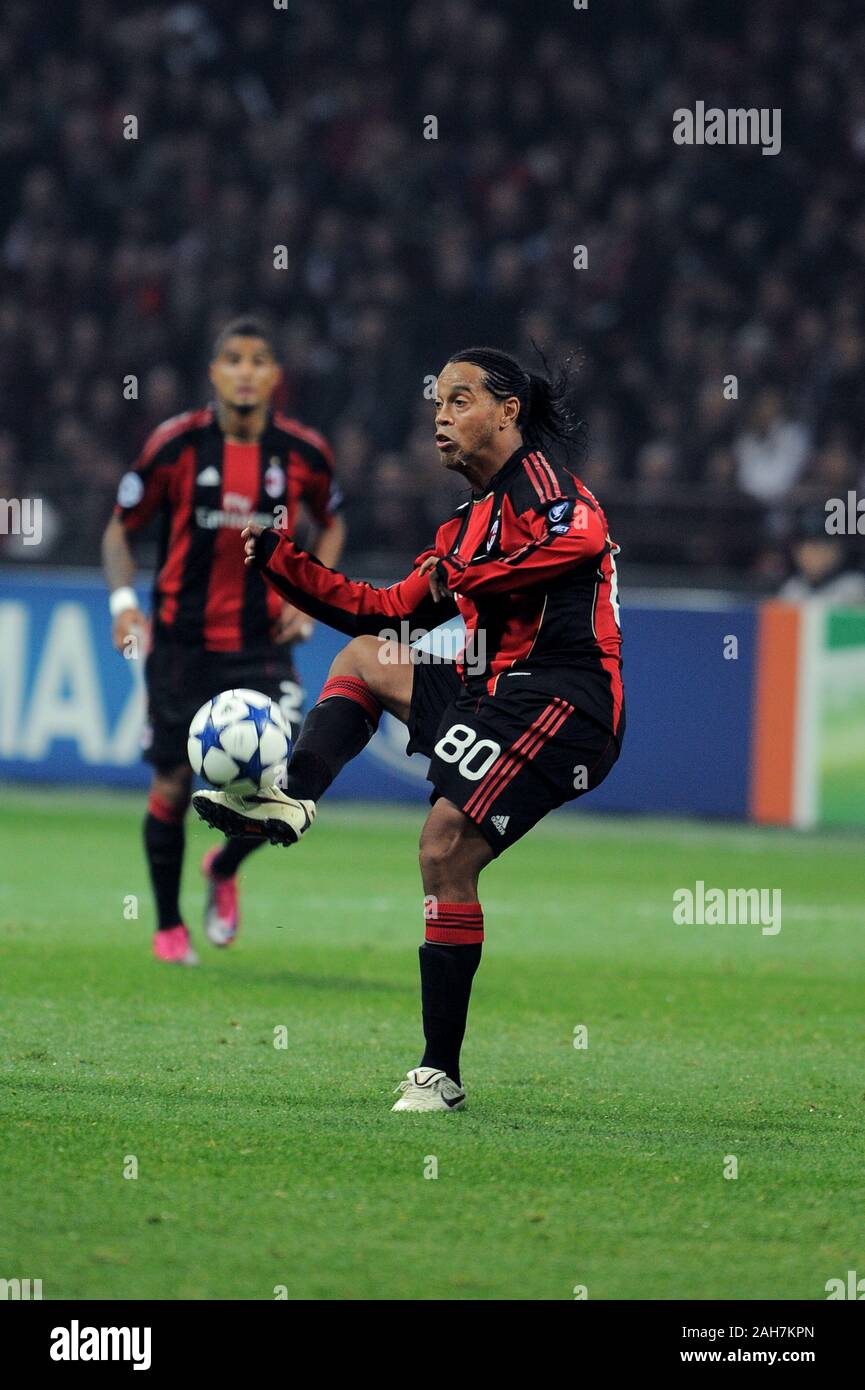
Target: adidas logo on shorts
<point>500,823</point>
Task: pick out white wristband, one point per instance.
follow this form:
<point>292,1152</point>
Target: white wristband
<point>122,600</point>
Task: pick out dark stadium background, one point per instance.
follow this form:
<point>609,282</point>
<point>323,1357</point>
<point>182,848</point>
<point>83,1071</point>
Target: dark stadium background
<point>304,127</point>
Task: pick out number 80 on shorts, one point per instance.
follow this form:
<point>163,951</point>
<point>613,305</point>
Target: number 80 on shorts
<point>475,756</point>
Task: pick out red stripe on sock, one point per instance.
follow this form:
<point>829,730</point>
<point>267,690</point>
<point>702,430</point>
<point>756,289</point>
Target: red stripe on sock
<point>164,811</point>
<point>454,924</point>
<point>352,688</point>
<point>454,936</point>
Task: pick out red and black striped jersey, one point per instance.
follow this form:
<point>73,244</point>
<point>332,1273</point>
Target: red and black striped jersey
<point>532,571</point>
<point>206,488</point>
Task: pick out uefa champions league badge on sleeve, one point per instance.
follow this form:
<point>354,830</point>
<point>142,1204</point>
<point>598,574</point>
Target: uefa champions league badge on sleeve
<point>559,516</point>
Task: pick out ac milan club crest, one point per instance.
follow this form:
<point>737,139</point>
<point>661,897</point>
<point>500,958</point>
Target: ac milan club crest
<point>274,479</point>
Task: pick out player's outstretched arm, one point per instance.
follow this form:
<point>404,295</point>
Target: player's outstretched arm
<point>348,605</point>
<point>547,543</point>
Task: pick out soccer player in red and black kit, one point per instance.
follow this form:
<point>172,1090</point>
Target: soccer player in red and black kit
<point>216,624</point>
<point>530,717</point>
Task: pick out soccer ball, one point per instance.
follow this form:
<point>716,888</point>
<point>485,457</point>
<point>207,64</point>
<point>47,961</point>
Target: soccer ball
<point>239,741</point>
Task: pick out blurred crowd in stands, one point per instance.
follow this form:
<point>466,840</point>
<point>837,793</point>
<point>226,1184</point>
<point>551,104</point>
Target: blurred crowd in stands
<point>305,127</point>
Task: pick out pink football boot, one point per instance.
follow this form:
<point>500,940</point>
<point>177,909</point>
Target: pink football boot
<point>173,945</point>
<point>222,909</point>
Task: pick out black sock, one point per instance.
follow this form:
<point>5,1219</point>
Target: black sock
<point>335,731</point>
<point>164,843</point>
<point>447,970</point>
<point>229,859</point>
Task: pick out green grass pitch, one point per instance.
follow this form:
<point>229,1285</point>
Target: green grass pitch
<point>261,1167</point>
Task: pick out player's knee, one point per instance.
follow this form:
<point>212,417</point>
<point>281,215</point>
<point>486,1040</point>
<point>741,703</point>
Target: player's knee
<point>358,658</point>
<point>372,661</point>
<point>448,852</point>
<point>432,855</point>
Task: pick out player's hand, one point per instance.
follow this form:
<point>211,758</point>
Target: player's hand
<point>130,623</point>
<point>436,587</point>
<point>292,625</point>
<point>250,538</point>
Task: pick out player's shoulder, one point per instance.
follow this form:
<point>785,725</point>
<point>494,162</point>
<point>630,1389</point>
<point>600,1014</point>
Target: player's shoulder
<point>450,528</point>
<point>459,512</point>
<point>168,439</point>
<point>542,480</point>
<point>309,443</point>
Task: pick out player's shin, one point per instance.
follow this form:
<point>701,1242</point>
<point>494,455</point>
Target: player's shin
<point>336,729</point>
<point>449,957</point>
<point>164,842</point>
<point>229,859</point>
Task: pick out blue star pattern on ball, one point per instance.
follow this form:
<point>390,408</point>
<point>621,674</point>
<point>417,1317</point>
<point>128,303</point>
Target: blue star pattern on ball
<point>209,738</point>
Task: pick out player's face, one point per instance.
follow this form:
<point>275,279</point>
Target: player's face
<point>244,374</point>
<point>467,417</point>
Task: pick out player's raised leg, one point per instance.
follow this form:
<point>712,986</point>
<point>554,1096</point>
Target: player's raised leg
<point>339,726</point>
<point>452,854</point>
<point>164,844</point>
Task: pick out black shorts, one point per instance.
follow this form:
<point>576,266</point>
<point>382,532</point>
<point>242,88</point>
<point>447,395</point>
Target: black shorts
<point>180,679</point>
<point>506,759</point>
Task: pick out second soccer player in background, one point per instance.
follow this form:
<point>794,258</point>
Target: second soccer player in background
<point>216,625</point>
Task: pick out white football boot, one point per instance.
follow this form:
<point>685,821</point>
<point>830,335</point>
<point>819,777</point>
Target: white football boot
<point>425,1088</point>
<point>268,814</point>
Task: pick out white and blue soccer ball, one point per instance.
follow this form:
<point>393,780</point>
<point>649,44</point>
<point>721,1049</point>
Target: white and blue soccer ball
<point>239,741</point>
